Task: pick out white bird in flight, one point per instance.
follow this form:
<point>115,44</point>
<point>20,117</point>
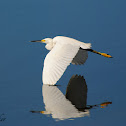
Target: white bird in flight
<point>64,50</point>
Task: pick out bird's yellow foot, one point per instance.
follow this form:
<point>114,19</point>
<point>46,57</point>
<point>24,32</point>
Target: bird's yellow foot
<point>106,55</point>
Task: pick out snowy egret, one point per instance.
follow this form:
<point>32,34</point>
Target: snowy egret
<point>64,50</point>
<point>71,105</point>
<point>63,107</point>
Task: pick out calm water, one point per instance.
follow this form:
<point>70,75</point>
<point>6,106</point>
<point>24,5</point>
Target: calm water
<point>102,23</point>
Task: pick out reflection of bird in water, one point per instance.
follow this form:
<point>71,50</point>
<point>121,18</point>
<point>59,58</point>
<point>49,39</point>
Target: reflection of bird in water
<point>73,105</point>
<point>104,104</point>
<point>77,92</point>
<point>64,50</point>
<point>62,107</point>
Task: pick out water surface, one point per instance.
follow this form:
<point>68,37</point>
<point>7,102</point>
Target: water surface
<point>102,23</point>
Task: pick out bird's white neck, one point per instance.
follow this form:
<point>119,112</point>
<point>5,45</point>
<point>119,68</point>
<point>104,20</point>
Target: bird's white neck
<point>49,46</point>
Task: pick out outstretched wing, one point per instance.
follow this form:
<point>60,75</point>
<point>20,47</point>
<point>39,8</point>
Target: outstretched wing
<point>57,61</point>
<point>80,57</point>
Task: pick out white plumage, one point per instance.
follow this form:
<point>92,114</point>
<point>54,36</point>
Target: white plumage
<point>72,105</point>
<point>61,55</point>
<point>58,106</point>
<point>63,51</point>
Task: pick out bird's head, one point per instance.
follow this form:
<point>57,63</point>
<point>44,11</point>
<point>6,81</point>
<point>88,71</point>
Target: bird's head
<point>46,40</point>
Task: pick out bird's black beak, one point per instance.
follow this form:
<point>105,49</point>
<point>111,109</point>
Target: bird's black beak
<point>36,41</point>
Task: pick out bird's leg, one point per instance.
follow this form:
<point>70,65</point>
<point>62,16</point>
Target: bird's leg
<point>103,54</point>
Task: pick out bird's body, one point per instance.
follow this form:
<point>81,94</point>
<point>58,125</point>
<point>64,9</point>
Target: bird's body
<point>64,50</point>
<point>65,40</point>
